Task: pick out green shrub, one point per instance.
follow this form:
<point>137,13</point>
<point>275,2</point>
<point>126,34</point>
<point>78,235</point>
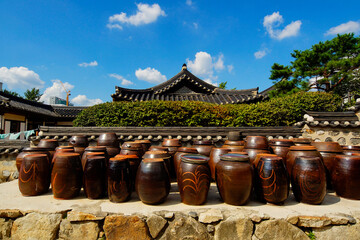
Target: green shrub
<point>281,111</point>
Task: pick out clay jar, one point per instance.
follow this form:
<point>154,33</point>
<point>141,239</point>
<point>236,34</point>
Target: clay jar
<point>308,180</point>
<point>108,140</point>
<point>302,141</point>
<point>132,148</point>
<point>203,146</point>
<point>119,179</point>
<point>134,162</point>
<point>256,142</point>
<point>346,176</point>
<point>146,144</point>
<point>215,158</point>
<point>66,176</point>
<point>194,179</point>
<point>258,156</point>
<point>272,182</point>
<point>94,177</point>
<point>158,148</point>
<point>165,156</point>
<point>252,153</point>
<point>34,175</point>
<point>181,151</point>
<point>48,143</point>
<point>328,151</point>
<point>172,145</point>
<point>349,150</point>
<point>299,151</point>
<point>152,181</point>
<point>28,151</point>
<point>234,176</point>
<point>79,143</point>
<point>62,149</point>
<point>100,150</point>
<point>234,145</point>
<point>281,147</point>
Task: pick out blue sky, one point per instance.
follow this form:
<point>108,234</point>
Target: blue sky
<point>92,46</point>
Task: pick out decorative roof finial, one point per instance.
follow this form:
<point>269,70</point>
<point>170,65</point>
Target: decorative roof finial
<point>184,66</point>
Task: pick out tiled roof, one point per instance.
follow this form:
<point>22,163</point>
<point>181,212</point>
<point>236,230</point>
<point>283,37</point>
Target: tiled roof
<point>330,119</point>
<point>67,111</point>
<point>185,86</point>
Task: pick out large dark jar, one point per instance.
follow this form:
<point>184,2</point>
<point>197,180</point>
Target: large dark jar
<point>31,150</point>
<point>281,147</point>
<point>299,151</point>
<point>203,146</point>
<point>94,177</point>
<point>119,180</point>
<point>146,144</point>
<point>272,181</point>
<point>194,179</point>
<point>34,175</point>
<point>302,141</point>
<point>257,142</point>
<point>215,158</point>
<point>79,141</point>
<point>182,151</point>
<point>253,153</point>
<point>108,140</point>
<point>234,176</point>
<point>132,148</point>
<point>66,176</point>
<point>134,162</point>
<point>48,143</point>
<point>62,149</point>
<point>346,176</point>
<point>152,181</point>
<point>349,150</point>
<point>308,180</point>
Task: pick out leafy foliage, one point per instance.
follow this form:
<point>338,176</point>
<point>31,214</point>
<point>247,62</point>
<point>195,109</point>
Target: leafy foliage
<point>281,111</point>
<point>331,64</point>
<point>11,92</point>
<point>32,94</point>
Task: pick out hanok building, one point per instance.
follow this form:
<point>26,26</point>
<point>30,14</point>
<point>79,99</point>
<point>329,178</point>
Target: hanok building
<point>185,86</point>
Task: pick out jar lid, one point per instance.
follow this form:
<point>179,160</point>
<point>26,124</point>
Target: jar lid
<point>143,141</point>
<point>328,147</point>
<point>64,147</point>
<point>194,158</point>
<point>187,150</point>
<point>36,155</point>
<point>156,154</point>
<point>234,157</point>
<point>96,149</point>
<point>302,140</point>
<point>302,148</point>
<point>149,160</point>
<point>131,156</point>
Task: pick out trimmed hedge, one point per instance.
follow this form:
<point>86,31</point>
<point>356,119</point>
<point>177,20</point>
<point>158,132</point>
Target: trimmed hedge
<point>282,111</point>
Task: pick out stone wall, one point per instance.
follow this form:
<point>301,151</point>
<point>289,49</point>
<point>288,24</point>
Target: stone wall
<point>8,170</point>
<point>202,224</point>
<point>344,136</point>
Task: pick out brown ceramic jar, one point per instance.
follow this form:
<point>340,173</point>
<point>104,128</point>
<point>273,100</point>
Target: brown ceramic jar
<point>308,180</point>
<point>258,156</point>
<point>181,151</point>
<point>119,180</point>
<point>215,158</point>
<point>172,145</point>
<point>48,143</point>
<point>234,143</point>
<point>152,181</point>
<point>271,180</point>
<point>28,151</point>
<point>348,150</point>
<point>66,176</point>
<point>134,162</point>
<point>328,151</point>
<point>203,146</point>
<point>146,144</point>
<point>100,150</point>
<point>162,155</point>
<point>94,177</point>
<point>234,176</point>
<point>132,148</point>
<point>252,153</point>
<point>256,142</point>
<point>79,141</point>
<point>281,147</point>
<point>299,151</point>
<point>62,149</point>
<point>302,141</point>
<point>235,146</point>
<point>194,179</point>
<point>158,148</point>
<point>108,140</point>
<point>34,175</point>
<point>346,176</point>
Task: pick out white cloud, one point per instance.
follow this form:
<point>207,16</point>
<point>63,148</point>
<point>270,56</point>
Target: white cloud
<point>20,77</point>
<point>90,64</point>
<point>189,2</point>
<point>349,27</point>
<point>260,54</point>
<point>124,82</point>
<point>204,66</point>
<point>273,21</point>
<point>144,15</point>
<point>150,75</point>
<point>56,90</point>
<point>230,68</point>
<point>82,100</point>
<point>196,25</point>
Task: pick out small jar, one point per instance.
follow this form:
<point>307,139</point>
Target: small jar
<point>308,180</point>
<point>108,140</point>
<point>256,142</point>
<point>34,175</point>
<point>194,179</point>
<point>203,146</point>
<point>234,176</point>
<point>132,148</point>
<point>152,181</point>
<point>119,180</point>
